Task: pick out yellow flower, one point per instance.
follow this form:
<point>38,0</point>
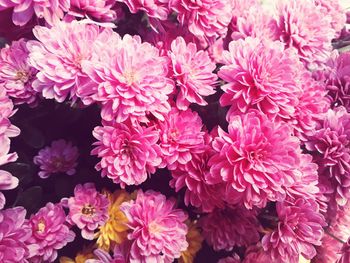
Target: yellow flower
<point>194,240</point>
<point>81,256</point>
<point>115,229</point>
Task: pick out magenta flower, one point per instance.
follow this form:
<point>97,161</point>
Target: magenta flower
<point>193,72</point>
<point>180,136</point>
<point>191,176</point>
<point>229,227</point>
<point>257,158</point>
<point>158,230</point>
<point>158,9</point>
<point>60,157</point>
<point>16,75</point>
<point>300,228</point>
<point>206,18</point>
<point>129,153</point>
<point>58,55</point>
<point>101,10</point>
<point>132,81</point>
<point>256,253</point>
<point>260,75</point>
<point>330,145</point>
<point>14,231</point>
<point>233,259</point>
<point>88,209</point>
<point>23,10</point>
<point>7,182</point>
<point>49,232</point>
<point>302,25</point>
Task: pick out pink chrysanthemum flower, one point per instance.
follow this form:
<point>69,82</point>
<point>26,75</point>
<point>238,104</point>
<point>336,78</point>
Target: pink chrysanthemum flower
<point>129,152</point>
<point>88,209</point>
<point>49,232</point>
<point>158,230</point>
<point>260,75</point>
<point>14,231</point>
<point>58,55</point>
<point>23,10</point>
<point>299,229</point>
<point>60,157</point>
<point>180,136</point>
<point>158,9</point>
<point>256,253</point>
<point>229,227</point>
<point>257,158</point>
<point>100,10</point>
<point>330,145</point>
<point>206,18</point>
<point>345,253</point>
<point>191,176</point>
<point>193,72</point>
<point>337,13</point>
<point>311,108</point>
<point>302,25</point>
<point>7,182</point>
<point>16,76</point>
<point>132,81</point>
<point>232,259</point>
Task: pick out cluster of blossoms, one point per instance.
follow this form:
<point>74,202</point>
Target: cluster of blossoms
<point>244,111</point>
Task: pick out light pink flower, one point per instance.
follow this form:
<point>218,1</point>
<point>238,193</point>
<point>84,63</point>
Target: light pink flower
<point>132,81</point>
<point>257,158</point>
<point>88,209</point>
<point>14,231</point>
<point>302,25</point>
<point>260,75</point>
<point>206,18</point>
<point>23,10</point>
<point>180,136</point>
<point>60,157</point>
<point>7,182</point>
<point>129,152</point>
<point>191,176</point>
<point>101,10</point>
<point>233,259</point>
<point>330,145</point>
<point>50,233</point>
<point>311,108</point>
<point>58,55</point>
<point>333,9</point>
<point>158,230</point>
<point>193,72</point>
<point>299,229</point>
<point>229,227</point>
<point>16,75</point>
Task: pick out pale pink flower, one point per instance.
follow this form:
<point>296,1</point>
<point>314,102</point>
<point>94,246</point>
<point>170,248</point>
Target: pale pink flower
<point>260,75</point>
<point>193,73</point>
<point>49,232</point>
<point>60,157</point>
<point>257,158</point>
<point>88,209</point>
<point>337,13</point>
<point>302,25</point>
<point>330,145</point>
<point>14,231</point>
<point>229,227</point>
<point>100,10</point>
<point>23,10</point>
<point>128,152</point>
<point>58,55</point>
<point>158,230</point>
<point>132,81</point>
<point>206,18</point>
<point>232,259</point>
<point>16,75</point>
<point>191,176</point>
<point>180,136</point>
<point>299,229</point>
<point>7,182</point>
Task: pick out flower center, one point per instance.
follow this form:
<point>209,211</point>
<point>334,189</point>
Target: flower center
<point>41,226</point>
<point>22,76</point>
<point>154,228</point>
<point>130,77</point>
<point>88,210</point>
<point>174,134</point>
